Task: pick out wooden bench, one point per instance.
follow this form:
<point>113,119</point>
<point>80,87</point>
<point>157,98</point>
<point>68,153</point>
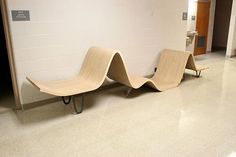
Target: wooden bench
<point>100,63</point>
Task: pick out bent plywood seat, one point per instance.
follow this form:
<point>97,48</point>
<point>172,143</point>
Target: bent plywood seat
<point>170,71</point>
<point>91,76</point>
<point>100,63</point>
<point>191,65</point>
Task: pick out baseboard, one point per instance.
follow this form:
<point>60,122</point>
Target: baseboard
<point>57,99</point>
<point>231,56</point>
<point>38,103</point>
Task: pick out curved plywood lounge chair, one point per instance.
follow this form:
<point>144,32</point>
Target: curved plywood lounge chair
<point>170,71</point>
<point>191,65</point>
<point>100,63</point>
<point>91,76</point>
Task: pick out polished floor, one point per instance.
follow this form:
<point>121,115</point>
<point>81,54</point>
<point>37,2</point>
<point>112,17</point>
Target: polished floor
<point>197,119</point>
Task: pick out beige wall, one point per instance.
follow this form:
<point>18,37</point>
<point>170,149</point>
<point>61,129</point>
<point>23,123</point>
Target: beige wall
<point>211,25</point>
<point>53,44</point>
<point>231,46</point>
<point>191,24</point>
<point>192,11</point>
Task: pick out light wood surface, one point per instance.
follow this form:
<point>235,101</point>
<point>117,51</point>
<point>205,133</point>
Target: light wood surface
<point>100,63</point>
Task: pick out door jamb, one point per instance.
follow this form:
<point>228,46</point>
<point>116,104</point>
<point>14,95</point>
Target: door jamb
<point>8,38</point>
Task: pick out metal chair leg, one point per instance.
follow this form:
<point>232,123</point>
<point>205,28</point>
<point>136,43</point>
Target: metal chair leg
<point>128,91</point>
<point>75,106</point>
<point>198,73</point>
<point>66,102</point>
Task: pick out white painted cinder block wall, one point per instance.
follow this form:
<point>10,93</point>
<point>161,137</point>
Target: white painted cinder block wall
<point>191,24</point>
<point>211,25</point>
<point>54,43</point>
<point>231,46</point>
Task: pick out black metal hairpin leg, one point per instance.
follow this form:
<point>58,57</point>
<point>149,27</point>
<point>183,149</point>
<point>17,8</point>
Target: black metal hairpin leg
<point>128,91</point>
<point>81,105</point>
<point>198,73</point>
<point>66,102</point>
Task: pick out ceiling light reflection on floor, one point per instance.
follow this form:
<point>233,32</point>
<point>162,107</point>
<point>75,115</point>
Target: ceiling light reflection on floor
<point>232,154</point>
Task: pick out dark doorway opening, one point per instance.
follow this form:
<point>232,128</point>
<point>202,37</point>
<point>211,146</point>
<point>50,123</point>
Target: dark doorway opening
<point>6,89</point>
<point>221,25</point>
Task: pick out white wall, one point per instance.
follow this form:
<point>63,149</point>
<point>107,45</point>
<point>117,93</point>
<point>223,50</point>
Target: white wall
<point>53,44</point>
<point>231,46</point>
<point>191,24</point>
<point>211,25</point>
<point>192,11</point>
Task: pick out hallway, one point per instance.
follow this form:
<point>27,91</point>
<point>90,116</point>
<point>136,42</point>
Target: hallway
<point>197,119</point>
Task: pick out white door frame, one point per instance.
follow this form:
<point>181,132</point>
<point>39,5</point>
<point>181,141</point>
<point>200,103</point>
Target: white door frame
<point>5,18</point>
<point>231,46</point>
